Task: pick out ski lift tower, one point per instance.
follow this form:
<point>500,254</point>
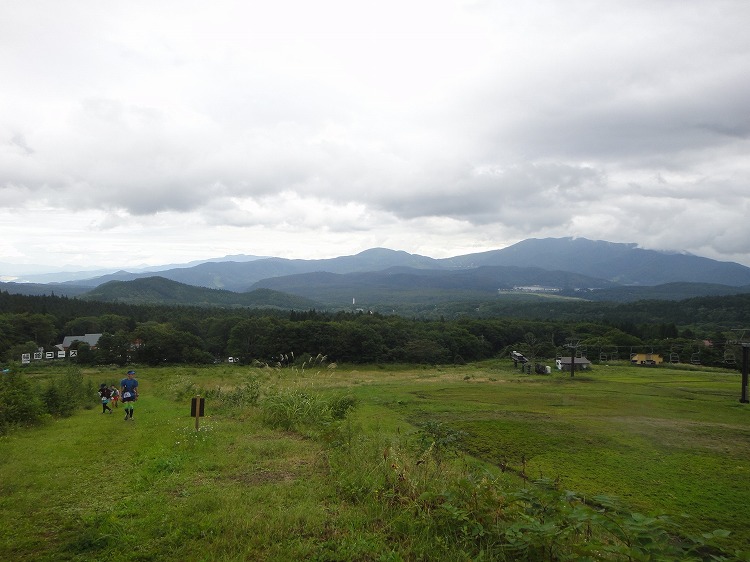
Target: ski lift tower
<point>745,343</point>
<point>573,346</point>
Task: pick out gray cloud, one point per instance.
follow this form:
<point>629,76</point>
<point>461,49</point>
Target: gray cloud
<point>455,126</point>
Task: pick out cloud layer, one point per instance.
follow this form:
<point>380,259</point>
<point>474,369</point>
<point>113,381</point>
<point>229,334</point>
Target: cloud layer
<point>147,133</point>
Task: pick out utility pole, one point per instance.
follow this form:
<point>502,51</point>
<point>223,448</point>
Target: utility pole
<point>572,346</point>
<point>745,343</point>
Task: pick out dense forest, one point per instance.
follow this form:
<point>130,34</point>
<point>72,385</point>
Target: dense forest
<point>693,330</point>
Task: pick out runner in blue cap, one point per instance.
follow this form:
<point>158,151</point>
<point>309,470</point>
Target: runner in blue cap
<point>129,394</point>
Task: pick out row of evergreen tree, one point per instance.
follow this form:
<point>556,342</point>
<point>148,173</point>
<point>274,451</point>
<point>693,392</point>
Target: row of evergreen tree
<point>169,334</point>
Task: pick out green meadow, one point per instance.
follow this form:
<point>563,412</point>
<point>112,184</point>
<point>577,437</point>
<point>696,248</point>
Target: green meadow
<point>473,462</point>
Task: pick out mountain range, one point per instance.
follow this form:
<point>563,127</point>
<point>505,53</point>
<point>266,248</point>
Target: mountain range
<point>596,270</point>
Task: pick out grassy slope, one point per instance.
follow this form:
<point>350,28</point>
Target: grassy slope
<point>665,441</point>
<point>94,486</point>
<point>155,488</point>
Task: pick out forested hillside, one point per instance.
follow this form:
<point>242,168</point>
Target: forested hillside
<point>158,290</point>
<point>180,334</point>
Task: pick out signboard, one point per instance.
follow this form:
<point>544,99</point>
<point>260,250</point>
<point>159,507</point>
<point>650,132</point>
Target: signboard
<point>39,355</point>
<point>197,409</point>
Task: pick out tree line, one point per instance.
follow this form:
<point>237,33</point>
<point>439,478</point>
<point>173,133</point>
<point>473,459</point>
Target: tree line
<point>181,334</point>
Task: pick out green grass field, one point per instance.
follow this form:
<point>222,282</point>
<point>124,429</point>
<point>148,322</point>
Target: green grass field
<point>93,486</point>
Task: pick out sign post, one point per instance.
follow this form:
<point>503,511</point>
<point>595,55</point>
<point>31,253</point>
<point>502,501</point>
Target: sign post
<point>197,409</point>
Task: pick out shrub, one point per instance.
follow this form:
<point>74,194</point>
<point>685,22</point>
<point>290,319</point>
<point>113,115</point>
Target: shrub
<point>54,401</point>
<point>65,395</point>
<point>295,410</point>
<point>246,395</point>
<point>341,404</point>
<point>19,402</point>
<point>240,397</point>
<point>441,440</point>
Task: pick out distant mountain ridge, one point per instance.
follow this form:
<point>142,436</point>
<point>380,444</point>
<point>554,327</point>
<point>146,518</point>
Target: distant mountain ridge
<point>240,276</point>
<point>618,271</point>
<point>624,264</point>
<point>48,277</point>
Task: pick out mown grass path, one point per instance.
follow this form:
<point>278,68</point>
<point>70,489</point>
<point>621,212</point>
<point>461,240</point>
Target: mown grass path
<point>97,487</point>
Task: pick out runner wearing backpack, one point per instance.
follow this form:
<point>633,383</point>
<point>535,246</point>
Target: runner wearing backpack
<point>105,394</point>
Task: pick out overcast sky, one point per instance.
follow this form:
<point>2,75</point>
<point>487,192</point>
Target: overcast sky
<point>157,132</point>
